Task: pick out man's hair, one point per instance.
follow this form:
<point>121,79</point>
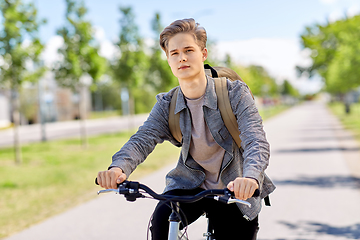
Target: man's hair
<point>183,26</point>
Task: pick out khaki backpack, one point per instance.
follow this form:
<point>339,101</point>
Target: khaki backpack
<point>222,100</point>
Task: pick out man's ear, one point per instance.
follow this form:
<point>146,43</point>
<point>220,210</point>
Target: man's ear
<point>205,54</point>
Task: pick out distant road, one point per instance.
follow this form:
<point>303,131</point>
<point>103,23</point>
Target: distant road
<point>71,129</point>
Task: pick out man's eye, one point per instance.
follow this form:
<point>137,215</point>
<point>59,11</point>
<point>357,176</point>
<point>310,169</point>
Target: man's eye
<point>189,50</point>
<point>174,53</point>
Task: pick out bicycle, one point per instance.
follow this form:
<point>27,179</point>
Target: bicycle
<point>131,191</point>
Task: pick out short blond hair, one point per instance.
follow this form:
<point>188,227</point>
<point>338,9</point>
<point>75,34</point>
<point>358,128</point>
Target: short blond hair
<point>187,25</point>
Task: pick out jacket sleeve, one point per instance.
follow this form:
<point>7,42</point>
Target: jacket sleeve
<point>253,140</point>
<point>154,130</point>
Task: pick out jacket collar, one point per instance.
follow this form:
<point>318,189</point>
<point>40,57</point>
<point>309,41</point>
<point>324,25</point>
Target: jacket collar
<point>210,98</point>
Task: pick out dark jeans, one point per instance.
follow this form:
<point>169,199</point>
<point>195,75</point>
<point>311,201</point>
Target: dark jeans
<point>226,219</point>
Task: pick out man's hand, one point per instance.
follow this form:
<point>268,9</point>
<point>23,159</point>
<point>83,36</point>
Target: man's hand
<point>110,178</point>
<point>243,188</point>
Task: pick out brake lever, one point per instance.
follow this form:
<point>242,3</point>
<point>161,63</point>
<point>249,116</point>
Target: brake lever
<point>235,200</point>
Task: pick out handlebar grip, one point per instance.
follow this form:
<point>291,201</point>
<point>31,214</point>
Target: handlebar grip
<point>256,193</point>
<point>96,182</point>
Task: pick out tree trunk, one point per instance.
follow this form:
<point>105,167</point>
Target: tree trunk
<point>16,119</point>
<point>347,108</point>
<point>41,112</point>
<point>82,110</point>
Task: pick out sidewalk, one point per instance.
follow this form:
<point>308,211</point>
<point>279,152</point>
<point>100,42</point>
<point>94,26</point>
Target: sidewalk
<point>317,196</point>
<point>71,129</point>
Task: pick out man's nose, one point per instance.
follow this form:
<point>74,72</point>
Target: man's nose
<point>182,57</point>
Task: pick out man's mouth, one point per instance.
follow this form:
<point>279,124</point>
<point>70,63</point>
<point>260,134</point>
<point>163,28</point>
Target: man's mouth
<point>183,67</point>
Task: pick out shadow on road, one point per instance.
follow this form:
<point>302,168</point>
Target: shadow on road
<point>315,128</point>
<point>304,228</point>
<point>325,149</point>
<point>307,139</point>
<point>323,182</point>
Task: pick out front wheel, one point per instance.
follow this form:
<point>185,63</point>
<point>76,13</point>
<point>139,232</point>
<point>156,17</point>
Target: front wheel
<point>182,235</point>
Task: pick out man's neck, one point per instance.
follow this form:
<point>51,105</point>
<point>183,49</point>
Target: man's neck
<point>195,87</point>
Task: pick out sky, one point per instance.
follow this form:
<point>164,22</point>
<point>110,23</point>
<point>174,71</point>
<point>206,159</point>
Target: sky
<point>259,32</point>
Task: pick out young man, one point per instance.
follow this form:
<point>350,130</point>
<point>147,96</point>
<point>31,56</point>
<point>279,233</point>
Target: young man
<point>209,157</point>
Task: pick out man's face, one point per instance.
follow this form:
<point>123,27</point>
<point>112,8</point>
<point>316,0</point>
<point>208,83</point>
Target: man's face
<point>185,57</point>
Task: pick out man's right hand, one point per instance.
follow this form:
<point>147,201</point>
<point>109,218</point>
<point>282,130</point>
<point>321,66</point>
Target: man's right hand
<point>111,178</point>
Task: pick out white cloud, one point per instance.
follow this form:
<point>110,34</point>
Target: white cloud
<point>50,54</point>
<point>336,15</point>
<point>108,50</point>
<point>278,56</point>
<point>353,10</point>
<point>329,2</point>
<point>99,33</point>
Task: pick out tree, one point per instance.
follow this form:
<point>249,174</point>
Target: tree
<point>19,46</point>
<point>335,51</point>
<point>130,67</point>
<point>81,64</point>
<point>288,89</point>
<point>159,75</point>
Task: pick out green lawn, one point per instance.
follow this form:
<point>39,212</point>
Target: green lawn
<point>269,112</point>
<point>350,121</point>
<point>104,114</point>
<point>58,175</point>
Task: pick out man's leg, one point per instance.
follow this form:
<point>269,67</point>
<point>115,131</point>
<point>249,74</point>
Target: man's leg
<point>229,223</point>
<point>160,221</point>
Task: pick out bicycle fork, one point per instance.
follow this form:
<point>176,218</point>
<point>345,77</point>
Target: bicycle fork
<point>174,220</point>
<point>210,231</point>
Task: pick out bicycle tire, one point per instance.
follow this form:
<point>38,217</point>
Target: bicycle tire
<point>182,236</point>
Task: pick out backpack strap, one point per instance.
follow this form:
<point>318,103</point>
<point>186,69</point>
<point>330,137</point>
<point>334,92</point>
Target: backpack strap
<point>174,119</point>
<point>226,111</point>
<point>210,71</point>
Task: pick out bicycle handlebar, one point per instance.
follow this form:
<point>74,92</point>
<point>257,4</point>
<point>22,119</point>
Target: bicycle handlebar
<point>131,192</point>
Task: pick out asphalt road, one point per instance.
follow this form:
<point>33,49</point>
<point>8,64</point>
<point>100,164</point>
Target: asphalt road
<point>313,162</point>
<point>71,129</point>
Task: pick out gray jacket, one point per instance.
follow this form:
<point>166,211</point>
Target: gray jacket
<point>250,162</point>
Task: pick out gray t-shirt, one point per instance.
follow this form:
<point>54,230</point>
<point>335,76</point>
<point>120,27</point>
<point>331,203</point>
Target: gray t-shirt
<point>203,148</point>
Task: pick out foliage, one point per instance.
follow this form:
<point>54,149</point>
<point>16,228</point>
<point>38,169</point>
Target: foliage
<point>256,77</point>
<point>335,51</point>
<point>288,89</point>
<point>79,51</point>
<point>20,47</point>
<point>129,69</point>
<point>19,43</point>
<point>159,75</point>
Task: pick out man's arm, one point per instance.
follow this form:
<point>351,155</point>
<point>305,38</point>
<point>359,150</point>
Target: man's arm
<point>256,148</point>
<point>154,130</point>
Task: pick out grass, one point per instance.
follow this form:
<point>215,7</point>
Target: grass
<point>269,112</point>
<point>350,121</point>
<point>104,114</point>
<point>58,175</point>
